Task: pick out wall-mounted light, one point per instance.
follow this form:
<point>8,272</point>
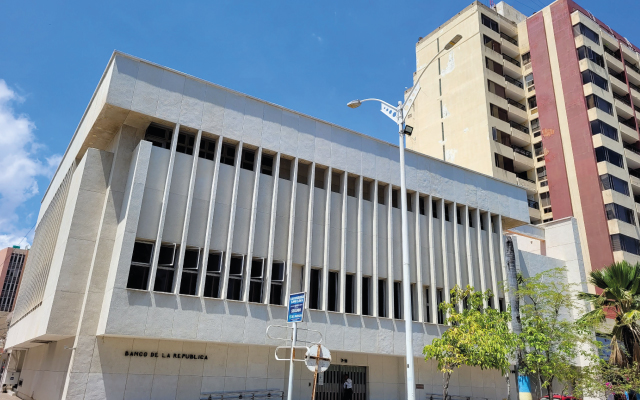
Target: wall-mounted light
<point>408,130</point>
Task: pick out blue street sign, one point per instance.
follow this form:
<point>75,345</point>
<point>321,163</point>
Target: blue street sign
<point>296,307</point>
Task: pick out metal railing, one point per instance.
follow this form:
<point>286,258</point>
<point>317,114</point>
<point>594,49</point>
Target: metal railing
<point>614,54</point>
<point>533,204</point>
<point>634,87</point>
<point>511,60</point>
<point>618,76</point>
<point>630,147</point>
<point>634,172</point>
<point>244,394</point>
<point>628,122</point>
<point>633,67</point>
<point>519,127</point>
<point>526,179</point>
<point>433,396</point>
<point>522,151</point>
<point>508,38</point>
<point>623,99</point>
<point>514,81</point>
<point>516,104</point>
<point>539,151</point>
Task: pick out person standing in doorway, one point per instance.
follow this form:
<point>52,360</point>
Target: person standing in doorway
<point>347,387</point>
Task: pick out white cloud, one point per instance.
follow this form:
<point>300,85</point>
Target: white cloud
<point>21,164</point>
<point>318,38</point>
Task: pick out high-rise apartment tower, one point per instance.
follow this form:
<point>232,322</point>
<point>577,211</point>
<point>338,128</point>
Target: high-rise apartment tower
<point>549,102</point>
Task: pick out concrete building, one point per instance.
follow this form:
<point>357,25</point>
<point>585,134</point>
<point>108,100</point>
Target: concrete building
<point>12,262</point>
<point>548,102</point>
<point>183,214</point>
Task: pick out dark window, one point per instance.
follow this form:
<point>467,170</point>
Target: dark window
<point>446,212</point>
<point>166,268</point>
<point>255,280</point>
<point>501,304</point>
<point>351,186</point>
<point>190,264</point>
<point>394,198</point>
<point>335,182</point>
<point>458,218</point>
<point>589,76</point>
<point>528,80</point>
<point>616,211</point>
<point>499,113</point>
<point>266,164</point>
<point>234,284</point>
<point>228,154</point>
<point>427,305</point>
<point>319,178</point>
<point>496,89</point>
<point>482,227</point>
<point>532,102</point>
<point>366,190</point>
<point>314,289</point>
<point>595,101</point>
<point>434,208</point>
<point>610,182</point>
<point>248,159</point>
<point>366,295</point>
<point>397,300</point>
<point>620,242</point>
<point>277,282</point>
<point>535,124</point>
<point>303,173</point>
<point>332,303</point>
<point>492,44</point>
<point>489,23</point>
<point>409,203</point>
<point>382,298</point>
<point>581,29</point>
<point>349,292</point>
<point>421,205</point>
<point>494,66</point>
<point>470,219</point>
<point>207,149</point>
<point>501,137</point>
<point>381,190</point>
<point>526,58</point>
<point>599,127</point>
<point>140,265</point>
<point>440,300</point>
<point>159,136</point>
<point>185,143</point>
<point>212,279</point>
<point>608,155</point>
<point>285,169</point>
<point>586,52</point>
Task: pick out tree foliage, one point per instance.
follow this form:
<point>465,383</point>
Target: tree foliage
<point>552,340</point>
<point>479,336</point>
<point>620,296</point>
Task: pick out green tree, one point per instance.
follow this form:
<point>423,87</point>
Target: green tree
<point>620,295</point>
<point>551,339</point>
<point>478,336</point>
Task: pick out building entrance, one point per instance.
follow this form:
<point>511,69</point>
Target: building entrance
<point>331,389</point>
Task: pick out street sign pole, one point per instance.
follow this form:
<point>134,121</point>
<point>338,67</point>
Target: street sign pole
<point>293,344</point>
<point>315,375</point>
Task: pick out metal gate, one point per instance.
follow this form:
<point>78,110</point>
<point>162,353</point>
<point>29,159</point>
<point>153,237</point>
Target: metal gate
<point>332,387</point>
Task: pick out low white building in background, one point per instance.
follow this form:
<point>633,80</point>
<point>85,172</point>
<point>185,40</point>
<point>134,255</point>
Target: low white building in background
<point>183,214</point>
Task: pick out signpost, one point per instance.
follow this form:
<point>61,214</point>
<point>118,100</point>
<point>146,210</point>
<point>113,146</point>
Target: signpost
<point>294,315</point>
<point>318,359</point>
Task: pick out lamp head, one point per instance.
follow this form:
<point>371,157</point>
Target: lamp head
<point>408,130</point>
<point>354,104</point>
<point>453,42</point>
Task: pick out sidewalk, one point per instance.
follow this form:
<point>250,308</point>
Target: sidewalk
<point>7,396</point>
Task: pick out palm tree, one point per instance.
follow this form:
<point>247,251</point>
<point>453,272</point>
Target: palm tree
<point>620,297</point>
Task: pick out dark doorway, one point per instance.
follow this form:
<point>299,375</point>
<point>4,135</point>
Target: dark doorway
<point>331,389</point>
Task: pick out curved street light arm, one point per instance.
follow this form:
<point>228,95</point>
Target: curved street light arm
<point>381,101</point>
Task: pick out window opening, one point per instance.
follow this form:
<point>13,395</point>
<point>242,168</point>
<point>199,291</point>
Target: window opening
<point>248,159</point>
<point>470,219</point>
<point>319,178</point>
<point>335,182</point>
<point>381,197</point>
<point>285,169</point>
<point>482,227</point>
<point>185,143</point>
<point>228,154</point>
<point>409,203</point>
<point>212,278</point>
<point>397,300</point>
<point>207,149</point>
<point>501,304</point>
<point>255,280</point>
<point>382,298</point>
<point>394,198</point>
<point>234,284</point>
<point>421,205</point>
<point>266,164</point>
<point>440,300</point>
<point>314,289</point>
<point>366,295</point>
<point>190,265</point>
<point>427,304</point>
<point>140,265</point>
<point>159,136</point>
<point>366,190</point>
<point>434,208</point>
<point>166,268</point>
<point>332,304</point>
<point>351,186</point>
<point>303,173</point>
<point>277,283</point>
<point>349,290</point>
<point>446,212</point>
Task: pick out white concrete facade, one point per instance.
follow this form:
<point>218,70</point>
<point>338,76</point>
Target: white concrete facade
<point>76,314</point>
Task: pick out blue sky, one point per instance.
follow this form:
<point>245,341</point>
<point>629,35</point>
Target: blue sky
<point>309,56</point>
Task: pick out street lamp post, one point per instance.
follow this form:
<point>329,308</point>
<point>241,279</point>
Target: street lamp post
<point>399,115</point>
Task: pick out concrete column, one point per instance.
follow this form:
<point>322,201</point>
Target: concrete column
<point>374,267</point>
<point>358,294</point>
<point>254,201</point>
<point>456,244</point>
<point>272,228</point>
<point>467,230</point>
<point>344,179</point>
<point>307,255</point>
<point>432,263</point>
<point>419,280</point>
<point>327,229</point>
<point>212,204</point>
<point>232,219</point>
<point>483,284</point>
<point>292,219</point>
<point>445,262</point>
<point>163,211</point>
<point>177,278</point>
<point>390,277</point>
<point>503,263</point>
<point>492,270</point>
